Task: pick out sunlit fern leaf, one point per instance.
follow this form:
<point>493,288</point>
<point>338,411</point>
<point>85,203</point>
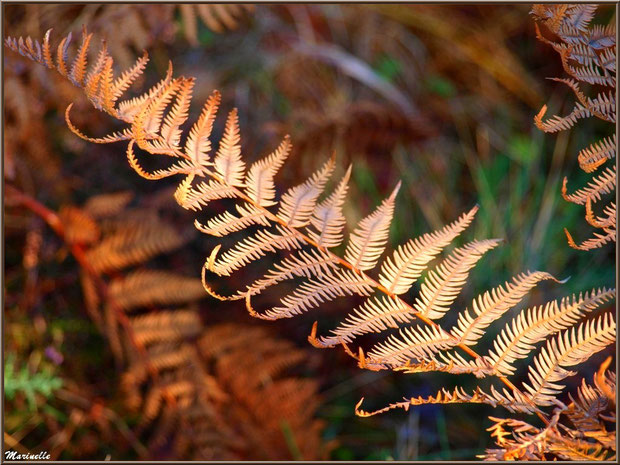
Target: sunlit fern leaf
<point>198,144</point>
<point>195,197</point>
<point>327,218</point>
<point>307,264</point>
<point>457,396</point>
<point>399,272</point>
<point>418,343</point>
<point>607,221</point>
<point>375,315</point>
<point>299,202</point>
<point>595,242</point>
<point>324,275</point>
<point>604,183</point>
<point>319,290</point>
<point>577,431</point>
<point>443,284</point>
<point>368,240</point>
<point>228,161</point>
<point>569,348</point>
<point>259,183</point>
<point>252,248</point>
<point>535,324</point>
<point>226,223</point>
<point>170,131</point>
<point>491,305</point>
<point>588,54</point>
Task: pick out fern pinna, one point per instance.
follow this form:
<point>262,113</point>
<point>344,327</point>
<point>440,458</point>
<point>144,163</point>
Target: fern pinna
<point>309,226</point>
<point>588,54</point>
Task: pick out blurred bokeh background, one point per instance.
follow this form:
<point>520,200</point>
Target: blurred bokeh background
<point>440,97</point>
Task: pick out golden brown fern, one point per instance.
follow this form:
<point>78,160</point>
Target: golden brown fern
<point>231,403</point>
<point>194,386</point>
<point>588,54</point>
<point>589,432</point>
<point>308,228</point>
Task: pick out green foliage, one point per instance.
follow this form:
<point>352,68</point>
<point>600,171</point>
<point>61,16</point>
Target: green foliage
<point>20,381</point>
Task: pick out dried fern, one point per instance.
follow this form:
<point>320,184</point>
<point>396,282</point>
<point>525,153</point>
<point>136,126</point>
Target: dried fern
<point>589,432</point>
<point>304,226</point>
<point>194,386</point>
<point>588,54</point>
<point>230,403</point>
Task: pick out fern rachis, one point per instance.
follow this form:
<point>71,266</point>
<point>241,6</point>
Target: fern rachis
<point>303,223</point>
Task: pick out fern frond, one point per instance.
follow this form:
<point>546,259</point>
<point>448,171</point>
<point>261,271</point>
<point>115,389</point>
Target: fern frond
<point>327,218</point>
<point>226,223</point>
<point>375,315</point>
<point>369,238</point>
<point>595,155</point>
<point>489,306</point>
<point>458,396</point>
<point>418,343</point>
<point>299,202</point>
<point>599,240</point>
<point>308,230</point>
<point>398,273</point>
<point>259,179</point>
<point>588,54</point>
<point>198,145</point>
<point>166,326</point>
<point>133,245</point>
<point>571,347</point>
<point>307,264</point>
<point>441,288</point>
<point>252,248</point>
<point>79,226</point>
<point>106,205</point>
<point>319,290</point>
<point>145,288</point>
<point>602,184</point>
<point>518,338</point>
<point>228,161</point>
<point>560,123</point>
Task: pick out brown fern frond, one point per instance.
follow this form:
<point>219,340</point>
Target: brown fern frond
<point>583,434</point>
<point>588,54</point>
<point>80,226</point>
<point>595,155</point>
<point>231,401</point>
<point>458,396</point>
<point>106,205</point>
<point>603,183</point>
<point>307,228</point>
<point>518,338</point>
<point>599,240</point>
<point>570,348</point>
<point>130,245</point>
<point>146,288</point>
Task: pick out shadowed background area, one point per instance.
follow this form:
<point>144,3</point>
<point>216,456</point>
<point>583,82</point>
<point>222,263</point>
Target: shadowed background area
<point>440,97</point>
